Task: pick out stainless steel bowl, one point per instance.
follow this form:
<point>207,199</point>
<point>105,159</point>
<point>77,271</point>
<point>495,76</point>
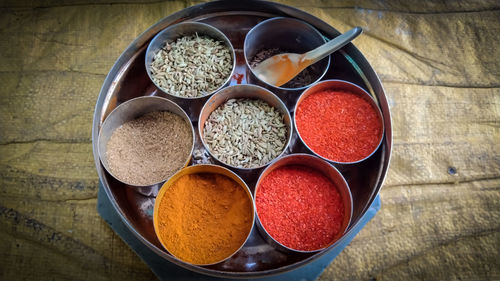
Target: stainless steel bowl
<point>131,110</point>
<point>339,85</point>
<point>191,105</point>
<point>243,91</point>
<point>197,169</point>
<point>290,35</point>
<point>327,170</point>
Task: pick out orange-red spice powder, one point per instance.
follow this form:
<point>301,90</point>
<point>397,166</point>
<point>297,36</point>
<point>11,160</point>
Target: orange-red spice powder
<point>299,207</point>
<point>338,125</point>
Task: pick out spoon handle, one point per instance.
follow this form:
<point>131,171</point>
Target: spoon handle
<point>332,45</point>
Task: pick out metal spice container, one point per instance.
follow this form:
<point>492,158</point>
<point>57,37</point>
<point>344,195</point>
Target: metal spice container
<point>131,110</point>
<point>180,31</point>
<point>128,79</point>
<point>327,170</point>
<point>260,145</point>
<point>290,35</point>
<point>198,169</point>
<point>338,85</point>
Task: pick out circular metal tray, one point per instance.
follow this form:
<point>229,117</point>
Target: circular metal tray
<point>128,79</point>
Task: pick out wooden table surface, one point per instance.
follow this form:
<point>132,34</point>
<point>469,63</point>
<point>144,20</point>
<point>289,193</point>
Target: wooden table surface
<point>439,62</point>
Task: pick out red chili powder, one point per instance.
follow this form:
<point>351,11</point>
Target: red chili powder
<point>238,77</point>
<point>299,207</point>
<point>339,126</point>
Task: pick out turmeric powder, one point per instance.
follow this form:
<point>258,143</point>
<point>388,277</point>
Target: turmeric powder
<point>204,218</point>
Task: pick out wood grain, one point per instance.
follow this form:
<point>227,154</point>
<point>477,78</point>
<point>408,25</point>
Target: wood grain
<point>439,62</point>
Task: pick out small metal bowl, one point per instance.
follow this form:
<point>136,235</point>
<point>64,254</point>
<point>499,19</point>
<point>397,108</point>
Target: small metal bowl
<point>340,85</point>
<point>192,105</point>
<point>289,35</point>
<point>326,169</point>
<point>196,169</point>
<point>243,91</point>
<point>131,110</point>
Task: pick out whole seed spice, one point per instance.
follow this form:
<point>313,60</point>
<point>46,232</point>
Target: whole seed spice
<point>299,207</point>
<point>204,218</point>
<point>150,148</point>
<point>338,125</point>
<point>245,133</point>
<point>192,66</point>
<point>304,78</point>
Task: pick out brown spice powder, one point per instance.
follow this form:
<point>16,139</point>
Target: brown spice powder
<point>150,148</point>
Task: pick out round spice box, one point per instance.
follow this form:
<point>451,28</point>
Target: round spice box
<point>203,214</point>
<point>145,140</point>
<point>303,204</point>
<point>188,62</point>
<point>259,257</point>
<point>245,126</point>
<point>339,122</point>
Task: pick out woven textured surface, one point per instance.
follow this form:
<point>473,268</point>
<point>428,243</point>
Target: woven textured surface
<point>439,62</point>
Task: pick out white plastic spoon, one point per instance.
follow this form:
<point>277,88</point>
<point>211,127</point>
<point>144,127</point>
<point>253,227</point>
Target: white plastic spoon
<point>279,69</point>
